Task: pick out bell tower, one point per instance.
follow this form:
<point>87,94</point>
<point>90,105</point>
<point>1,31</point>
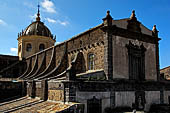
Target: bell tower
<point>35,38</point>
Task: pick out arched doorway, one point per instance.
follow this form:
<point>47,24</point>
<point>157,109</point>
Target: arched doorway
<point>94,105</point>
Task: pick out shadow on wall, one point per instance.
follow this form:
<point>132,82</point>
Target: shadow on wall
<point>118,109</point>
<point>155,108</point>
<point>10,90</point>
<point>80,66</point>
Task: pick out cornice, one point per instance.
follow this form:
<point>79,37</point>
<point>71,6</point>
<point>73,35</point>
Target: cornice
<point>114,30</point>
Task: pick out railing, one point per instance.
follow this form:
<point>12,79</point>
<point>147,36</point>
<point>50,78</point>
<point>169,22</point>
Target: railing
<point>8,79</point>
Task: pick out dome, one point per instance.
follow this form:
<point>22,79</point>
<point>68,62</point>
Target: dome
<point>37,28</point>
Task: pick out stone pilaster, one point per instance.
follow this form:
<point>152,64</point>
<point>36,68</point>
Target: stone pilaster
<point>161,96</point>
<point>155,34</point>
<point>108,46</point>
<point>24,88</point>
<point>44,91</point>
<point>157,61</point>
<point>31,89</point>
<point>69,92</point>
<point>112,99</point>
<point>71,75</point>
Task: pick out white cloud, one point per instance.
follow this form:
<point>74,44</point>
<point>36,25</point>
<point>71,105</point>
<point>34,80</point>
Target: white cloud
<point>64,23</point>
<point>33,17</point>
<point>50,20</point>
<point>2,22</point>
<point>29,5</point>
<point>57,42</point>
<point>13,51</point>
<point>48,6</point>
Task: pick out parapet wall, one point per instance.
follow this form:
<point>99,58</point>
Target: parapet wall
<point>9,89</point>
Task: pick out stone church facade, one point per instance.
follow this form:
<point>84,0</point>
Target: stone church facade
<point>115,64</point>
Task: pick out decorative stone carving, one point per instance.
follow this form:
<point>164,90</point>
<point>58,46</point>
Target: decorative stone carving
<point>136,42</point>
<point>133,24</point>
<point>140,100</point>
<point>136,56</point>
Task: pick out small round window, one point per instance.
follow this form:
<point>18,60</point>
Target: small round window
<point>41,47</point>
<point>29,47</point>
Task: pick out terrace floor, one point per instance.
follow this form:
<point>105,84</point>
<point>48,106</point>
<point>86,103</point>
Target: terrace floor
<point>29,105</point>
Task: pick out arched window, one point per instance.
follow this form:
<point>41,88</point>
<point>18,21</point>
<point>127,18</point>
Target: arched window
<point>91,61</point>
<point>41,47</point>
<point>29,47</point>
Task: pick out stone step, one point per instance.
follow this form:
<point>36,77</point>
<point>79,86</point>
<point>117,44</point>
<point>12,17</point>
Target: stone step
<point>29,105</point>
<point>34,108</point>
<point>22,106</point>
<point>3,103</point>
<point>16,103</point>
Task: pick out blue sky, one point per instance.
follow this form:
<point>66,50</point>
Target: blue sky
<point>66,18</point>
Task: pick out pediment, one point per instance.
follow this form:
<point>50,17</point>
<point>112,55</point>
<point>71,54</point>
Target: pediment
<point>123,23</point>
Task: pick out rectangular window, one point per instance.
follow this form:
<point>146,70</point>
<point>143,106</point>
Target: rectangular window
<point>91,61</point>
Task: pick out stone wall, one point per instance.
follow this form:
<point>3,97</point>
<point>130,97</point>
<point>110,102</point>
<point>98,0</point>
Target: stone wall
<point>87,43</point>
<point>35,41</point>
<point>44,59</point>
<point>123,23</point>
<point>55,91</point>
<point>38,90</point>
<point>40,58</point>
<point>10,89</point>
<point>166,97</point>
<point>56,95</point>
<point>10,66</point>
<point>59,51</point>
<point>166,72</point>
<point>48,56</point>
<point>82,97</point>
<point>33,60</point>
<point>124,98</point>
<point>6,60</point>
<point>120,58</point>
<point>152,97</point>
<point>85,39</point>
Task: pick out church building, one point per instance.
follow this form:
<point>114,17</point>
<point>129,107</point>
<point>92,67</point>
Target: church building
<point>112,66</point>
